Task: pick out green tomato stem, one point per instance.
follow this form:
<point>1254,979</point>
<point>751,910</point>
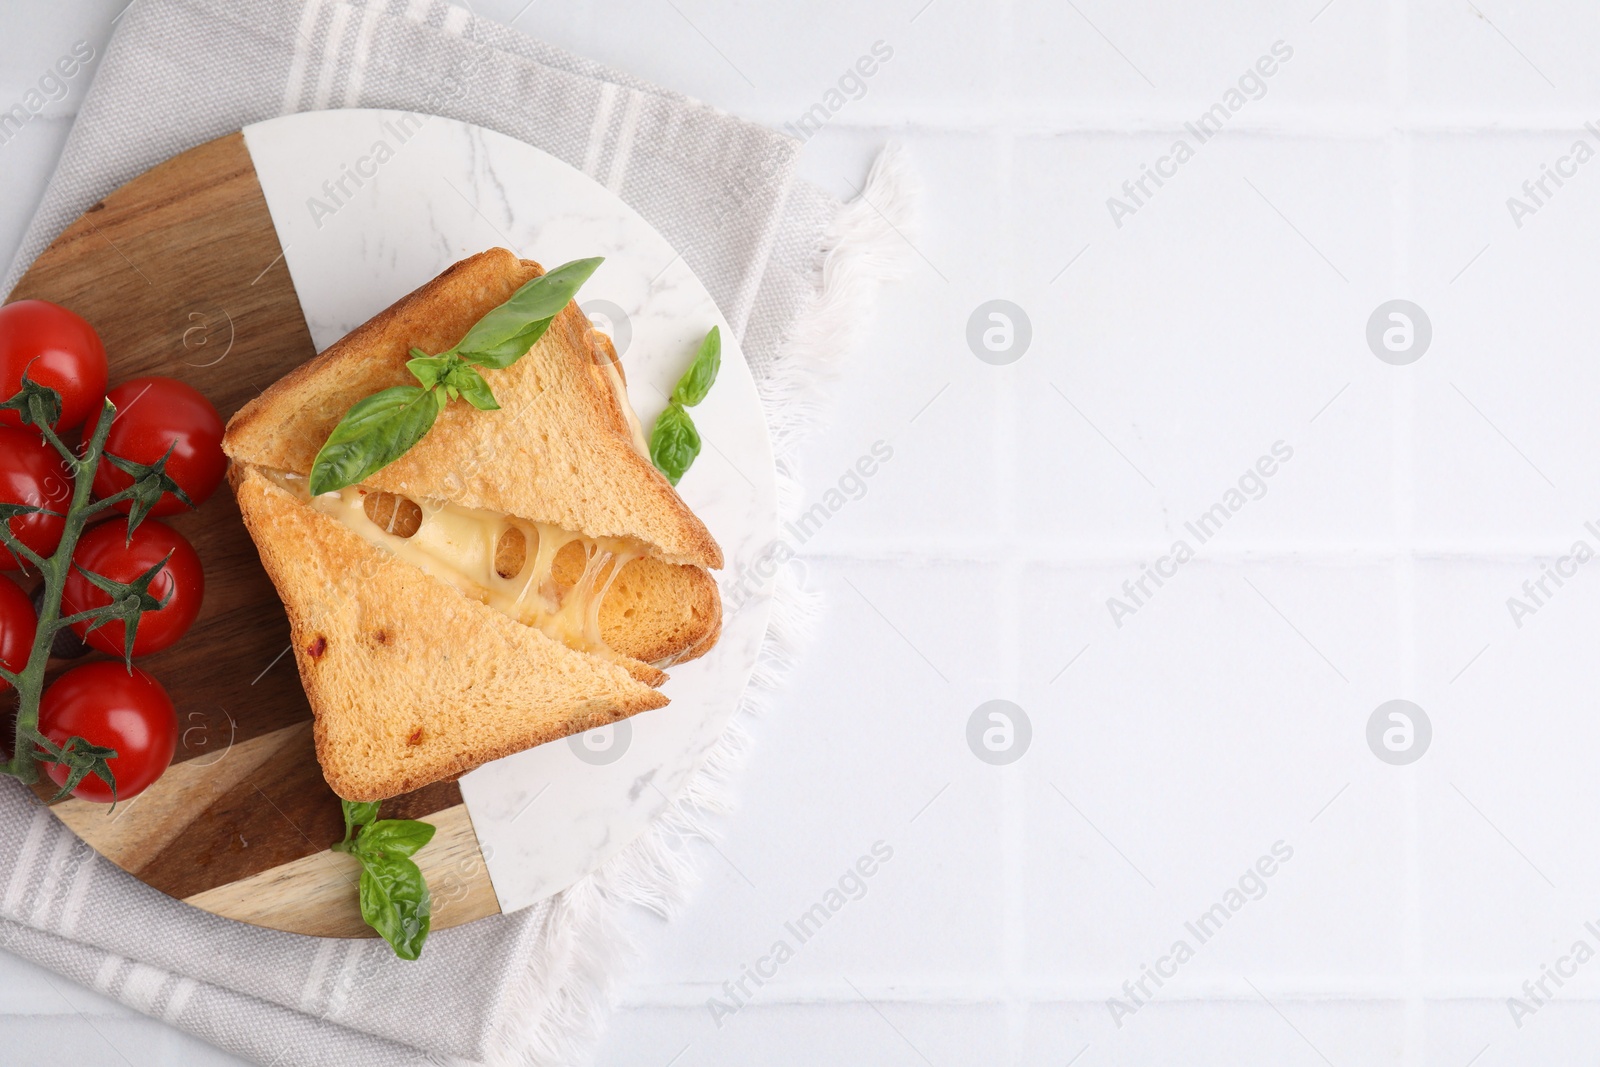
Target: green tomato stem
<point>29,684</point>
<point>111,501</point>
<point>84,616</point>
<point>18,549</point>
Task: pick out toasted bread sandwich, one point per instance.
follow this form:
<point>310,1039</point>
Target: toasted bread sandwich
<point>518,575</point>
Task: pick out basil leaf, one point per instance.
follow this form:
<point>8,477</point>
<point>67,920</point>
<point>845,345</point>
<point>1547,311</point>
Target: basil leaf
<point>373,434</point>
<point>507,352</point>
<point>674,443</point>
<point>696,381</point>
<point>505,334</point>
<point>470,385</point>
<point>429,370</point>
<point>377,907</point>
<point>357,814</point>
<point>394,896</point>
<point>396,903</point>
<point>397,837</point>
<point>452,373</point>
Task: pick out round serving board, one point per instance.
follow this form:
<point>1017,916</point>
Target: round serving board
<point>238,260</point>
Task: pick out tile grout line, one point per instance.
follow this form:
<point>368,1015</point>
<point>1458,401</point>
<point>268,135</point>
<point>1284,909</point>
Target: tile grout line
<point>1414,1041</point>
<point>1136,554</point>
<point>1014,785</point>
<point>1089,991</point>
<point>1014,778</point>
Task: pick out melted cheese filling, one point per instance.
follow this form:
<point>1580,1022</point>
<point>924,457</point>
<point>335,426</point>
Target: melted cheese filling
<point>460,546</point>
<point>619,390</point>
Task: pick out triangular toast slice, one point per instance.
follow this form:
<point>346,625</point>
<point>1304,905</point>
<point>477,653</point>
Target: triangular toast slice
<point>412,682</point>
<point>561,451</point>
<point>545,515</point>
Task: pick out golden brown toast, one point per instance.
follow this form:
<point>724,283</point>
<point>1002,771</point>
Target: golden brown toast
<point>410,681</point>
<point>556,452</point>
<point>557,463</point>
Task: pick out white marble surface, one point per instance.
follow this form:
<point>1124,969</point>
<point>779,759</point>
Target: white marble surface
<point>433,191</point>
<point>1227,314</point>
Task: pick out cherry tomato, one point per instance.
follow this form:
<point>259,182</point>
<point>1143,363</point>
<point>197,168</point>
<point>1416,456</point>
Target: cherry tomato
<point>56,347</point>
<point>18,624</point>
<point>106,551</point>
<point>152,414</point>
<point>31,473</point>
<point>105,705</point>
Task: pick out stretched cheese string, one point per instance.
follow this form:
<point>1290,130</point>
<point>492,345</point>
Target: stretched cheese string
<point>459,545</point>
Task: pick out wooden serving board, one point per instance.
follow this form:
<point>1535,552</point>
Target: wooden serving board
<point>182,274</point>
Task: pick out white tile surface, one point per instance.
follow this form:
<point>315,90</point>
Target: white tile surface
<point>1146,801</point>
<point>1183,344</point>
<point>1157,55</point>
<point>1498,56</point>
<point>928,801</point>
<point>1242,1030</point>
<point>1229,712</point>
<point>799,1035</point>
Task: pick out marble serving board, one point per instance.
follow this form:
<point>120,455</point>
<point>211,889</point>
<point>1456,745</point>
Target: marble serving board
<point>232,263</point>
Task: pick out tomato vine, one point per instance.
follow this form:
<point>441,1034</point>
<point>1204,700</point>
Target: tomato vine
<point>40,406</point>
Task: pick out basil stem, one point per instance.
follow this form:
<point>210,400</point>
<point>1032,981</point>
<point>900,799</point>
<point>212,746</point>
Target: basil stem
<point>357,815</point>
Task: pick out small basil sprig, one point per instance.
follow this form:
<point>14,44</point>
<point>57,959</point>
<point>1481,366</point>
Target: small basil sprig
<point>394,897</point>
<point>383,427</point>
<point>674,443</point>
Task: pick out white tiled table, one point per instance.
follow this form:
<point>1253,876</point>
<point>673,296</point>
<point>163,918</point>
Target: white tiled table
<point>1229,713</point>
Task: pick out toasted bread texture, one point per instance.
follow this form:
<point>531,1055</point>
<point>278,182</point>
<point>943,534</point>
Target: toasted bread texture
<point>655,612</point>
<point>558,451</point>
<point>410,681</point>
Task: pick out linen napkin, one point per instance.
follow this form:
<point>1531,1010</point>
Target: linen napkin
<point>791,270</point>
